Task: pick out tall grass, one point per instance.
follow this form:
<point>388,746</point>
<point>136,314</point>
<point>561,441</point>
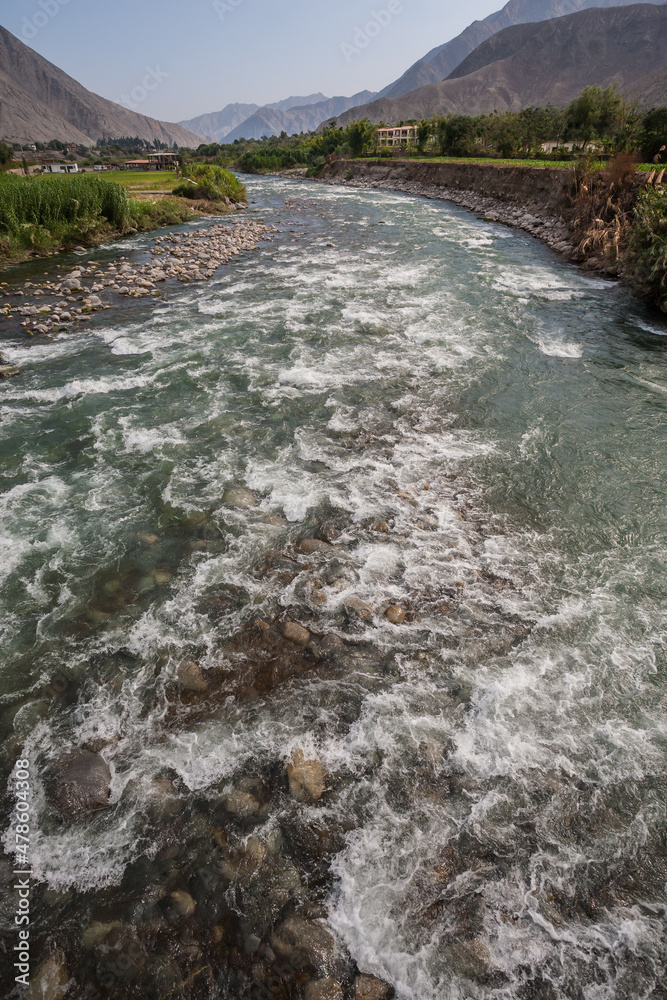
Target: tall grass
<point>212,183</point>
<point>40,215</point>
<point>56,203</point>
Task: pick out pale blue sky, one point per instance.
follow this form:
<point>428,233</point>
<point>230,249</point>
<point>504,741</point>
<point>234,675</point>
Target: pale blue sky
<point>207,53</point>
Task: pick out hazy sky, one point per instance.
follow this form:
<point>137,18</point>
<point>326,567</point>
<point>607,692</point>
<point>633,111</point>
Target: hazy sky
<point>174,59</point>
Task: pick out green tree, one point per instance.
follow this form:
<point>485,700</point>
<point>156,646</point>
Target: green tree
<point>653,136</point>
<point>594,113</point>
<point>359,136</point>
<point>6,154</point>
<point>424,132</point>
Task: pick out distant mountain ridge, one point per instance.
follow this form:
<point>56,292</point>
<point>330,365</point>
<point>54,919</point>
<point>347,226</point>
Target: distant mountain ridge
<point>548,62</point>
<point>270,120</point>
<point>437,64</point>
<point>39,102</point>
<point>218,124</point>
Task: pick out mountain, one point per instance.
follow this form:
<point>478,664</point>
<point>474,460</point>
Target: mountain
<point>270,120</point>
<point>219,124</point>
<point>442,60</point>
<point>39,102</point>
<point>549,62</point>
<point>297,102</point>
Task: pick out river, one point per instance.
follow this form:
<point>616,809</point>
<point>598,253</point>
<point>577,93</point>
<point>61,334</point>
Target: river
<point>476,430</point>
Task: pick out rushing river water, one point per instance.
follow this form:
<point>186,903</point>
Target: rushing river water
<point>477,429</point>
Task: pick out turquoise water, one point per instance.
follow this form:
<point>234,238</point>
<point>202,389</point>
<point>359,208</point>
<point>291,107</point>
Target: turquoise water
<point>479,429</point>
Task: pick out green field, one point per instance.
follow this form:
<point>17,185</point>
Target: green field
<point>142,180</point>
<point>492,160</point>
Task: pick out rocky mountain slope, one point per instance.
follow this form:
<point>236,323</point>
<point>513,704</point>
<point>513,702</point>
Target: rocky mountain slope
<point>549,62</point>
<point>442,60</point>
<point>272,121</point>
<point>39,102</point>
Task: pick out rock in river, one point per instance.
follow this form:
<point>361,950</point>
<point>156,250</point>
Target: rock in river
<point>323,989</point>
<point>395,614</point>
<point>296,633</point>
<point>81,783</point>
<point>191,677</point>
<point>50,980</point>
<point>307,778</point>
<point>370,988</point>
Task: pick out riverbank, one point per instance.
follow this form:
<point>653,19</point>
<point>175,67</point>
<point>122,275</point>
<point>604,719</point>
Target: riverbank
<point>42,216</point>
<point>542,201</point>
<point>69,300</point>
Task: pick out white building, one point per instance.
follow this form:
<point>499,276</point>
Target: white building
<point>403,135</point>
<point>61,168</point>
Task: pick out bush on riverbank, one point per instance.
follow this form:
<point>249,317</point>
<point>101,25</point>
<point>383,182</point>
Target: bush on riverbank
<point>646,256</point>
<point>208,182</point>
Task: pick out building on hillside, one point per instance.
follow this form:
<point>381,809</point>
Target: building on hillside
<point>70,148</point>
<point>399,135</point>
<point>61,168</point>
<point>165,161</point>
<point>139,165</point>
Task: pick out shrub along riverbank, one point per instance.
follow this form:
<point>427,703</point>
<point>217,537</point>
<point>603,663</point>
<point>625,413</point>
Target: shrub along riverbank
<point>43,215</point>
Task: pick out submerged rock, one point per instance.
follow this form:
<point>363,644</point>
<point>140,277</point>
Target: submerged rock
<point>305,944</point>
<point>50,980</point>
<point>239,497</point>
<point>370,988</point>
<point>312,545</point>
<point>323,989</point>
<point>181,904</point>
<point>307,778</point>
<point>358,608</point>
<point>191,678</point>
<point>470,959</point>
<point>81,783</point>
<point>296,633</point>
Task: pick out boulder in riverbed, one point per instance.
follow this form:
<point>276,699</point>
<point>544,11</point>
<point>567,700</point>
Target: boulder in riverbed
<point>50,980</point>
<point>370,988</point>
<point>323,989</point>
<point>191,678</point>
<point>305,944</point>
<point>239,497</point>
<point>307,778</point>
<point>81,783</point>
<point>296,633</point>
